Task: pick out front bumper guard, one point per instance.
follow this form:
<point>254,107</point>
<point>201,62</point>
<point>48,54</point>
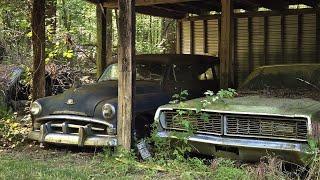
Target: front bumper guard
<point>84,137</point>
<point>243,143</point>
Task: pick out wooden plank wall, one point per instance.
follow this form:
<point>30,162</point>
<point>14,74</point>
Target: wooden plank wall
<point>260,39</point>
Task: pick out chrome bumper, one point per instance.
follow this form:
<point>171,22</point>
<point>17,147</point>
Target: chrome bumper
<point>84,137</point>
<point>243,143</point>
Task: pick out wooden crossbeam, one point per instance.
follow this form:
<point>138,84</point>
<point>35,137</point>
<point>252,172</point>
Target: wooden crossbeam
<point>114,3</point>
<point>312,3</point>
<point>162,12</point>
<point>184,8</point>
<point>270,4</point>
<point>247,5</point>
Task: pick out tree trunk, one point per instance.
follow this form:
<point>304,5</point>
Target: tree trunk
<point>38,42</point>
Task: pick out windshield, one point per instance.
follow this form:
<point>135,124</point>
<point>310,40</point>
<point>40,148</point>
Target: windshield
<point>285,80</point>
<point>144,72</point>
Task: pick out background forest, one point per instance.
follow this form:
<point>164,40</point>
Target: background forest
<point>71,35</point>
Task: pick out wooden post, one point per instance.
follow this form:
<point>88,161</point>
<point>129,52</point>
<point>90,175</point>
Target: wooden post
<point>192,45</point>
<point>101,39</point>
<point>127,73</point>
<point>226,54</point>
<point>179,36</point>
<point>250,53</point>
<point>317,36</point>
<point>109,36</point>
<point>38,43</point>
<point>266,40</point>
<point>300,31</point>
<point>205,36</point>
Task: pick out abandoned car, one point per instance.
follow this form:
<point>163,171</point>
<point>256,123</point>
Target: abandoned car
<point>86,116</point>
<point>276,112</point>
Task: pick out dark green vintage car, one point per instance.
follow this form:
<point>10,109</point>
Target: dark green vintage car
<point>86,116</point>
<point>276,112</point>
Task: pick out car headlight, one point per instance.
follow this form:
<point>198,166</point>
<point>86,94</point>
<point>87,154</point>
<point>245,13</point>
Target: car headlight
<point>108,111</point>
<point>35,108</point>
<point>162,120</point>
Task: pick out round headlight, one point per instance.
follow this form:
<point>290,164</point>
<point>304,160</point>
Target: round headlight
<point>108,111</point>
<point>162,120</point>
<point>35,108</point>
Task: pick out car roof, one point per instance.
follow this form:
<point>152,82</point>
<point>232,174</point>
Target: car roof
<point>174,59</point>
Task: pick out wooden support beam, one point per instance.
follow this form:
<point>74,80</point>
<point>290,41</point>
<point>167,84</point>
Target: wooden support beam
<point>205,36</point>
<point>101,39</point>
<point>109,31</point>
<point>318,36</point>
<point>127,73</point>
<point>179,37</point>
<point>226,54</point>
<point>283,38</point>
<point>162,12</point>
<point>38,44</point>
<point>277,5</point>
<point>299,40</point>
<point>189,8</point>
<point>235,52</point>
<point>114,3</point>
<point>312,3</point>
<point>250,53</point>
<point>192,48</point>
<point>247,5</point>
<point>266,40</point>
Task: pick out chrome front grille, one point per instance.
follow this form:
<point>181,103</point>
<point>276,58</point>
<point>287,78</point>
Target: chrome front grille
<point>210,125</point>
<point>237,125</point>
<point>72,127</point>
<point>266,127</point>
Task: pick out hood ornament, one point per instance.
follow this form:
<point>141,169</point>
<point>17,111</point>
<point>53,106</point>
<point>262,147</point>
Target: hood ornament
<point>70,102</point>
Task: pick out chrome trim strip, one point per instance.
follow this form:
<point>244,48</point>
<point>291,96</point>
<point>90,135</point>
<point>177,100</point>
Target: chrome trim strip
<point>76,118</point>
<point>243,143</point>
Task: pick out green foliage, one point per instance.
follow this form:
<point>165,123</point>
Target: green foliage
<point>12,131</point>
<point>222,94</point>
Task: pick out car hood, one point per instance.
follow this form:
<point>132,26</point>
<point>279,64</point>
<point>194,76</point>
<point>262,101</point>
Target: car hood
<point>262,105</point>
<point>86,98</point>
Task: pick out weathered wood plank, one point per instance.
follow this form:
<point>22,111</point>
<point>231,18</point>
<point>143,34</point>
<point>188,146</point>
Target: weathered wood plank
<point>283,38</point>
<point>299,44</point>
<point>179,37</point>
<point>101,39</point>
<point>205,36</point>
<point>250,49</point>
<point>161,12</point>
<point>192,48</point>
<point>38,43</point>
<point>127,73</point>
<point>318,36</point>
<point>109,36</point>
<point>266,40</point>
<point>226,49</point>
<point>114,3</point>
